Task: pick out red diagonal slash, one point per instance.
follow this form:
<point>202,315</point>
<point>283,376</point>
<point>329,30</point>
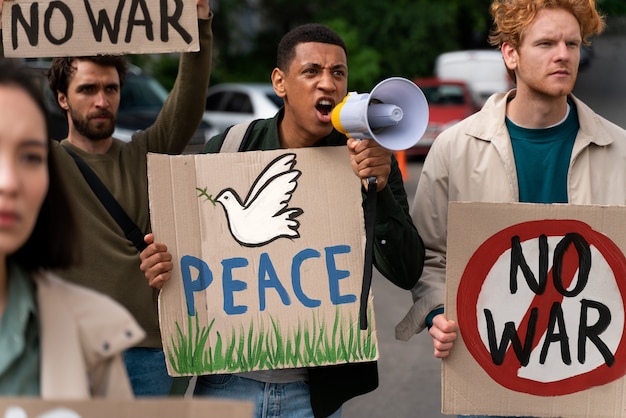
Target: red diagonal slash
<point>478,269</point>
<point>543,303</point>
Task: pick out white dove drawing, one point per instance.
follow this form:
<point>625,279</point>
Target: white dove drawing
<point>264,216</point>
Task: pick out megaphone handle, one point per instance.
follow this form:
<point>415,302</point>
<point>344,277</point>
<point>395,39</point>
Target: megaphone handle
<point>370,222</point>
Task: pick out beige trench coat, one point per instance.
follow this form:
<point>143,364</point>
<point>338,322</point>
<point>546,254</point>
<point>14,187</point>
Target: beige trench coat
<point>473,162</point>
<point>83,335</point>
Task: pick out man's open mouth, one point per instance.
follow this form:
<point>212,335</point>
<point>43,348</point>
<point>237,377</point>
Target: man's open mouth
<point>324,107</point>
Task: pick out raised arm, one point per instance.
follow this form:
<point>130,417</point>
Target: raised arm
<point>183,110</point>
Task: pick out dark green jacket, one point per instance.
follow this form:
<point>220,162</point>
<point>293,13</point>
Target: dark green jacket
<point>398,255</point>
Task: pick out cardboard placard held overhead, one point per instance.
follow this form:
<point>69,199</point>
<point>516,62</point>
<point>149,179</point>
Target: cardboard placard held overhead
<point>136,408</point>
<point>539,293</point>
<point>57,28</point>
<point>268,252</point>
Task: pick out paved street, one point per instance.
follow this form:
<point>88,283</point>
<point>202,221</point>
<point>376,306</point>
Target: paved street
<point>410,380</point>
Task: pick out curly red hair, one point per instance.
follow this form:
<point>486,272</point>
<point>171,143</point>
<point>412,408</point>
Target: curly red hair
<point>512,17</point>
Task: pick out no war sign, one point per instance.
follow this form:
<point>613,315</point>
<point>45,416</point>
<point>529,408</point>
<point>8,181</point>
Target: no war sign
<point>539,293</point>
<point>88,27</point>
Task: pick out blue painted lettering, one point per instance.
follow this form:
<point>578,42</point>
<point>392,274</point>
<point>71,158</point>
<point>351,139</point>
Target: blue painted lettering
<point>269,278</point>
<point>201,282</point>
<point>231,285</point>
<point>334,275</point>
<point>296,279</point>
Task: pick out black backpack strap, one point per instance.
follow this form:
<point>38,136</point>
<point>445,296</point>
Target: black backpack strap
<point>132,231</point>
<point>370,224</point>
<point>235,137</point>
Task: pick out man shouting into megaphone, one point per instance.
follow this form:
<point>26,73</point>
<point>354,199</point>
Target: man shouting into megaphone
<point>312,76</point>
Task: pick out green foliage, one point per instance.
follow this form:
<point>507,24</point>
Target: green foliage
<point>407,35</point>
<point>385,39</point>
<point>390,38</point>
<point>363,62</point>
<point>612,7</point>
<point>166,69</point>
<point>163,67</point>
<point>393,38</point>
<point>192,352</point>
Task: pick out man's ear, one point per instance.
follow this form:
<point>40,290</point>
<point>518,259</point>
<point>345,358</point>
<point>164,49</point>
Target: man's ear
<point>278,81</point>
<point>510,56</point>
<point>62,99</point>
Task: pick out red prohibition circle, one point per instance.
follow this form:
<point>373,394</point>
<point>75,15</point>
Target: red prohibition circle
<point>470,286</point>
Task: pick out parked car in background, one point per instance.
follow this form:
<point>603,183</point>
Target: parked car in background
<point>449,102</point>
<point>483,70</point>
<point>142,97</point>
<point>228,104</point>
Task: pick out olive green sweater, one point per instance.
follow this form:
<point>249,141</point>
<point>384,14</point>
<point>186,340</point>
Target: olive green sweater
<point>110,261</point>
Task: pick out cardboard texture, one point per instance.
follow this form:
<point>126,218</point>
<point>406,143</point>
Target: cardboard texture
<point>251,290</point>
<point>148,408</point>
<point>538,292</point>
<point>61,28</point>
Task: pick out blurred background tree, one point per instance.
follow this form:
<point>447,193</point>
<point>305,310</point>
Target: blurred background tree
<point>612,7</point>
<point>391,38</point>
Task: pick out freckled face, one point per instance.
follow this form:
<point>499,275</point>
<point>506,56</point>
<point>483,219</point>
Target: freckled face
<point>23,167</point>
<point>546,62</point>
<point>317,79</point>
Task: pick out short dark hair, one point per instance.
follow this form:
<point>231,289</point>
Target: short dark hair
<point>62,68</point>
<point>54,242</point>
<point>310,32</point>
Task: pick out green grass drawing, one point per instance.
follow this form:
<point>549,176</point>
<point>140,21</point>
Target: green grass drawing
<point>261,349</point>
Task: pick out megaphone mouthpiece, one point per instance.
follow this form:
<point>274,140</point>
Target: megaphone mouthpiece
<point>382,115</point>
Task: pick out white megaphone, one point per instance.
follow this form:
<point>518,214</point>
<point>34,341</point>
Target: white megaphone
<point>394,114</point>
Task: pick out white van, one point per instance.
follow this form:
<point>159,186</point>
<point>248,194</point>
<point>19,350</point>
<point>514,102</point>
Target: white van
<point>483,70</point>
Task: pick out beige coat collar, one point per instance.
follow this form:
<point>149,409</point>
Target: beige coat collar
<point>83,334</point>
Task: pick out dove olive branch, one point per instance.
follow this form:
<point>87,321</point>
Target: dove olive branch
<point>264,215</point>
<point>204,193</point>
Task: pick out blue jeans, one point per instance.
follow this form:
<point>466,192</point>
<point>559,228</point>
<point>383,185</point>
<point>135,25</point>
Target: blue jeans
<point>272,400</point>
<point>148,373</point>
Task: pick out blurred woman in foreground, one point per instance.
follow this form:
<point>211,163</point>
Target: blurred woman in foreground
<point>57,340</point>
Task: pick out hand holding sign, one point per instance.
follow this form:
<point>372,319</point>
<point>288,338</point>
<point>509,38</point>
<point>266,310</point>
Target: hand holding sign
<point>156,263</point>
<point>444,332</point>
<point>204,10</point>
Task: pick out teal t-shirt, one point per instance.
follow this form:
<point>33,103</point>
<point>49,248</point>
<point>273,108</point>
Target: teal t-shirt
<point>19,337</point>
<point>542,158</point>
